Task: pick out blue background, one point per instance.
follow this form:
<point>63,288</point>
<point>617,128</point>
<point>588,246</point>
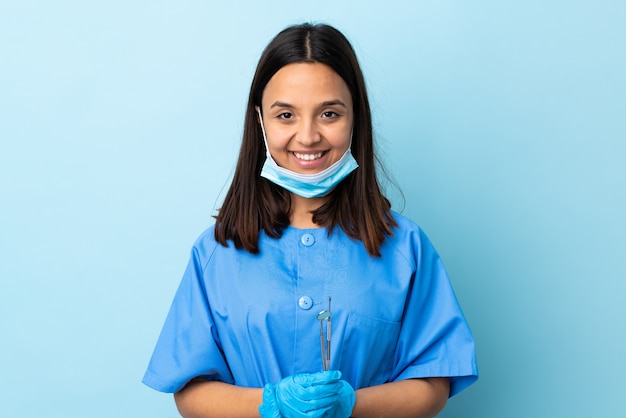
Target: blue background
<point>503,122</point>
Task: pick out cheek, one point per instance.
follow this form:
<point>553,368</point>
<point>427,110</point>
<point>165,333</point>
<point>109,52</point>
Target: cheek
<point>276,137</point>
<point>341,139</point>
<point>277,143</point>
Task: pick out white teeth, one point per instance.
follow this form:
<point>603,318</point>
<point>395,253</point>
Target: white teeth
<point>308,157</point>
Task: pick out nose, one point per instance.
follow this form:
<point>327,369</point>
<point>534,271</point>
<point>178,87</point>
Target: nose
<point>308,134</point>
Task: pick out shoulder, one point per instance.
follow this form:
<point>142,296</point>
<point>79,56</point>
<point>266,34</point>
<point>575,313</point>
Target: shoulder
<point>207,248</point>
<point>409,240</point>
<point>406,229</point>
<point>205,245</point>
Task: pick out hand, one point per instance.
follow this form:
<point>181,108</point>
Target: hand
<point>308,395</point>
<point>344,403</point>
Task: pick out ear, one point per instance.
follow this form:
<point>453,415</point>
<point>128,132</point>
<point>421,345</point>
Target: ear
<point>258,114</point>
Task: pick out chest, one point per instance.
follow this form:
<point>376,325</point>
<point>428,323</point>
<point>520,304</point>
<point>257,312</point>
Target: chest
<point>292,279</point>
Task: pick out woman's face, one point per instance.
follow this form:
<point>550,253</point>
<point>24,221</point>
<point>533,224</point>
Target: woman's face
<point>308,115</point>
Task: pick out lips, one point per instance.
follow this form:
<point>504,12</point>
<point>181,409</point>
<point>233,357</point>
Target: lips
<point>308,156</point>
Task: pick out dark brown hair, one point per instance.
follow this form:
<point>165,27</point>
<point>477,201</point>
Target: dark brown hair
<point>356,205</point>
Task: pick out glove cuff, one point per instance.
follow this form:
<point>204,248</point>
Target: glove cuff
<point>269,407</point>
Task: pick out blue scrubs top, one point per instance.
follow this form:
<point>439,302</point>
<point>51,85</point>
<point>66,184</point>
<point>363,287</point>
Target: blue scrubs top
<point>250,319</point>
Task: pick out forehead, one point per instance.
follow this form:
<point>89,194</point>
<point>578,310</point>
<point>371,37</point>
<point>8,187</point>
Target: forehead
<point>306,83</point>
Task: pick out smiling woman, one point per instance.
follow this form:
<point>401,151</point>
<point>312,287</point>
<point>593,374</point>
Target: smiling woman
<point>304,222</point>
<point>310,135</point>
<point>308,110</point>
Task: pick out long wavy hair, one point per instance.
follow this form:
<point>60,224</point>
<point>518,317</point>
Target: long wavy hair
<point>356,205</point>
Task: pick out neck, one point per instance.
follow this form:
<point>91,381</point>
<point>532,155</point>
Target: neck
<point>302,208</point>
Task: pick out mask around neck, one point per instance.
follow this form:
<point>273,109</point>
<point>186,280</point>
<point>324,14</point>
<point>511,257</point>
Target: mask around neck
<point>307,185</point>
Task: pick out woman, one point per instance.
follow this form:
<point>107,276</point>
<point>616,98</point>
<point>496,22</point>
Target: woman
<point>309,297</point>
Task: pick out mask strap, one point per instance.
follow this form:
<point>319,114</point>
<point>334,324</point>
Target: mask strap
<point>267,149</point>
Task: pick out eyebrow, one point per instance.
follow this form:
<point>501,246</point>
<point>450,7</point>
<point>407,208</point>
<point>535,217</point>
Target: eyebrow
<point>324,104</point>
<point>334,103</point>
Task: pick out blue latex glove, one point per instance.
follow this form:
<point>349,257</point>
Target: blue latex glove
<point>305,395</point>
<point>344,402</point>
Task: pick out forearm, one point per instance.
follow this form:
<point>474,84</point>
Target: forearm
<point>423,398</point>
<point>202,399</point>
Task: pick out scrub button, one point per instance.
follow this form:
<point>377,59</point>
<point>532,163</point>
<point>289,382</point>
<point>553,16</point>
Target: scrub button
<point>305,303</point>
<point>307,239</point>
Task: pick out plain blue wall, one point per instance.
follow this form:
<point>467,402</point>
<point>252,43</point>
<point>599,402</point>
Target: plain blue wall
<point>503,122</point>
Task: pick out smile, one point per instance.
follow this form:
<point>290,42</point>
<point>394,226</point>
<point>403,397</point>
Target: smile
<point>308,157</point>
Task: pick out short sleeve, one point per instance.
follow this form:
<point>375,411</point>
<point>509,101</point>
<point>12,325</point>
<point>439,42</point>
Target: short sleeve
<point>435,339</point>
<point>188,346</point>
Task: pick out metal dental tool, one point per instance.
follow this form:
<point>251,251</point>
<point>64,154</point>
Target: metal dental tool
<point>325,340</point>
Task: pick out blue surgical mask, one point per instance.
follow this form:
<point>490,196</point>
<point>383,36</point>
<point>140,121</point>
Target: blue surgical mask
<point>307,185</point>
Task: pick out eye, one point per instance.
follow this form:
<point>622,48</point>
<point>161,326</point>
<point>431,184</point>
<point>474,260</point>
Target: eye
<point>285,115</point>
<point>330,114</point>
